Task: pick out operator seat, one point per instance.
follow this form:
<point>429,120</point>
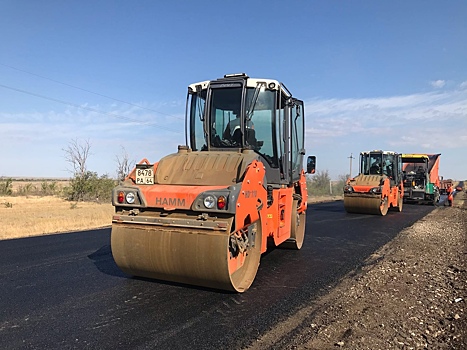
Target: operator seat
<point>237,137</point>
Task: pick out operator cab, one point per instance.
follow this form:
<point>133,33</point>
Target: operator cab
<point>243,114</point>
<point>381,163</point>
<point>416,172</point>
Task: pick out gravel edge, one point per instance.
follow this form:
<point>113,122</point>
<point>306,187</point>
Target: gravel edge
<point>410,294</point>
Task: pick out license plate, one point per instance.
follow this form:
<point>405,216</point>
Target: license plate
<point>144,175</point>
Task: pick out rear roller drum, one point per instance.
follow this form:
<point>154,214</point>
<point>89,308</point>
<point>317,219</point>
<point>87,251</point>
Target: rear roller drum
<point>400,202</point>
<point>384,206</point>
<point>244,261</point>
<point>297,233</point>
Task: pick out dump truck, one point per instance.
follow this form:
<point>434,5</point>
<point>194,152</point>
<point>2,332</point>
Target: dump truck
<point>443,184</point>
<point>421,178</point>
<point>378,186</point>
<point>205,214</point>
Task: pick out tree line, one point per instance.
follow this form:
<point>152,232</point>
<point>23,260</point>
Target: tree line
<point>84,184</point>
<point>88,185</point>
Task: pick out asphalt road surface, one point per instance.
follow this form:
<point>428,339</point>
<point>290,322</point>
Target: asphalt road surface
<point>65,291</point>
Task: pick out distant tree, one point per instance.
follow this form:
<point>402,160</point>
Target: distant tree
<point>338,185</point>
<point>319,183</point>
<point>77,155</point>
<point>124,165</point>
<point>85,185</point>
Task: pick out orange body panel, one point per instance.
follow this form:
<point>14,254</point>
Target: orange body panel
<point>250,206</point>
<point>276,218</point>
<point>252,196</point>
<point>303,192</point>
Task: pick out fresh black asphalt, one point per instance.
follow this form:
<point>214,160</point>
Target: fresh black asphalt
<point>65,291</point>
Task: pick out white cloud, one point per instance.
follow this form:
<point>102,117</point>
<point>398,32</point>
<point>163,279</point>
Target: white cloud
<point>433,122</point>
<point>427,106</point>
<point>463,85</point>
<point>425,122</point>
<point>144,134</point>
<point>438,83</point>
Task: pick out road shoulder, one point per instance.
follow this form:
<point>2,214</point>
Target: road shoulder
<point>409,294</point>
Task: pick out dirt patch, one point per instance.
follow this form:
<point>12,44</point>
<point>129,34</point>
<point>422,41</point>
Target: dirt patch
<point>411,294</point>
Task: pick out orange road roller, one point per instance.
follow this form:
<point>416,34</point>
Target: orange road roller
<point>378,186</point>
<point>205,214</point>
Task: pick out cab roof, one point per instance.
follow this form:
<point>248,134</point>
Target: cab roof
<point>272,84</point>
<point>379,151</point>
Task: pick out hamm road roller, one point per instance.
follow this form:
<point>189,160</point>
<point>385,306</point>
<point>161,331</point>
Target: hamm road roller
<point>205,214</point>
<point>378,186</point>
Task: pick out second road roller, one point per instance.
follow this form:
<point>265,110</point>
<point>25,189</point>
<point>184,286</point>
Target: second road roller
<point>205,214</point>
<point>378,186</point>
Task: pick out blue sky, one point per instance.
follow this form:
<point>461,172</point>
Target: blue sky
<point>373,74</point>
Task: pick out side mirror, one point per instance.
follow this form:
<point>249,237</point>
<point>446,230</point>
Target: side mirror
<point>311,164</point>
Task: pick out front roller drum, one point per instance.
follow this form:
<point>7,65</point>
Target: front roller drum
<point>213,259</point>
<point>366,205</point>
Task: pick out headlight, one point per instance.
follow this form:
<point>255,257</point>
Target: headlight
<point>348,189</point>
<point>130,197</point>
<point>376,190</point>
<point>209,201</point>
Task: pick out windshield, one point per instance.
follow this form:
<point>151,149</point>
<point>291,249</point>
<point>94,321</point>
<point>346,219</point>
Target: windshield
<point>371,163</point>
<point>229,119</point>
<point>262,119</point>
<point>225,117</point>
<point>378,164</point>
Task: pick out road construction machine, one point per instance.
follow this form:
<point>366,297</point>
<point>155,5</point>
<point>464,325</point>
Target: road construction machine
<point>421,179</point>
<point>378,185</point>
<point>444,184</point>
<point>205,214</point>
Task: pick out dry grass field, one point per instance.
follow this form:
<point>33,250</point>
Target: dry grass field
<point>25,216</point>
<point>35,185</point>
<point>22,216</point>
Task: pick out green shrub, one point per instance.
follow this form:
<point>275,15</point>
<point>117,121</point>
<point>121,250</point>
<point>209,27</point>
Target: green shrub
<point>90,187</point>
<point>6,187</point>
<point>27,189</point>
<point>320,184</point>
<point>49,188</point>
